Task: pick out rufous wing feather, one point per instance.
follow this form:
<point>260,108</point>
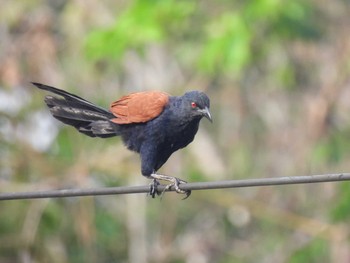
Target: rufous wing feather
<point>139,107</point>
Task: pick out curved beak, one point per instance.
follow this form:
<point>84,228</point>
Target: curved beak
<point>206,113</point>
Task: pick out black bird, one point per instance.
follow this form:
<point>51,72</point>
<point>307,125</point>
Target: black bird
<point>151,123</point>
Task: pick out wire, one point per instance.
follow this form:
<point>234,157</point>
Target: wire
<point>189,186</point>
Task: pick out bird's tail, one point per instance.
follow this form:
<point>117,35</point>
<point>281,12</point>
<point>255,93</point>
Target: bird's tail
<point>86,117</point>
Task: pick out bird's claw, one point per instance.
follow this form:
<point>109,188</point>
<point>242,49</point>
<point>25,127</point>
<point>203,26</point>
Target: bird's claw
<point>175,182</point>
<point>153,189</point>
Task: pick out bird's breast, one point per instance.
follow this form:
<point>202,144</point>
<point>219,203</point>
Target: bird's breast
<point>181,135</point>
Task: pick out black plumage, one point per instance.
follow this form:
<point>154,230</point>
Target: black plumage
<point>155,125</point>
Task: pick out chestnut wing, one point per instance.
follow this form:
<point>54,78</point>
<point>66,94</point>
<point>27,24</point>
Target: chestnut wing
<point>139,107</point>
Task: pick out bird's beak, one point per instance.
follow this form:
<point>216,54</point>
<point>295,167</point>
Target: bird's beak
<point>206,113</point>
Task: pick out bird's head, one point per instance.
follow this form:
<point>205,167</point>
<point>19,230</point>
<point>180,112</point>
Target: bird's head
<point>197,104</point>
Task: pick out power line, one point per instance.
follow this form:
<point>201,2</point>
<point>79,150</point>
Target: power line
<point>189,186</point>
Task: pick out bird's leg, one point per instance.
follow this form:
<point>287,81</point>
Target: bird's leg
<point>153,191</point>
<point>174,182</point>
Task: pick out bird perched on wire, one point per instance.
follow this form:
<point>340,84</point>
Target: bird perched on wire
<point>151,123</point>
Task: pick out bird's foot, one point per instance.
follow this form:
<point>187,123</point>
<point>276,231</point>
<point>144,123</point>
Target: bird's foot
<point>153,191</point>
<point>175,182</point>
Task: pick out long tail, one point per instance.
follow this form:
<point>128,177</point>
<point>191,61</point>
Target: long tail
<point>86,117</point>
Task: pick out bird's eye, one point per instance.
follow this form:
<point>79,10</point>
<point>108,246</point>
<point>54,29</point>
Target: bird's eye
<point>193,105</point>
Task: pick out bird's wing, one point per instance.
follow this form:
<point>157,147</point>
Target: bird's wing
<point>139,107</point>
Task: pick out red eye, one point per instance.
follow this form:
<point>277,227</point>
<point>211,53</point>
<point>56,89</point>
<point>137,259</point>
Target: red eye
<point>193,105</point>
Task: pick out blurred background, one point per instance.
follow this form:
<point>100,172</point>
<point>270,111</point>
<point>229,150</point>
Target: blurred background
<point>278,75</point>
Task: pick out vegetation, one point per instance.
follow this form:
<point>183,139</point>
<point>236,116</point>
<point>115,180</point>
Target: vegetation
<point>277,74</point>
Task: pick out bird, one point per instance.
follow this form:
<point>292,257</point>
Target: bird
<point>153,124</point>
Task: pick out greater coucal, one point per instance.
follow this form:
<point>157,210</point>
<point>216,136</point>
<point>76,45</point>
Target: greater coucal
<point>151,123</point>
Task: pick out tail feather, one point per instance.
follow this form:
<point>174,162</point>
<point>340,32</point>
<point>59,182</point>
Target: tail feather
<point>71,98</point>
<point>104,129</point>
<point>73,110</point>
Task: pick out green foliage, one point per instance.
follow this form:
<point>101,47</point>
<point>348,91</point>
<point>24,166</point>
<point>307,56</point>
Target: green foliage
<point>317,251</point>
<point>144,22</point>
<point>65,146</point>
<point>195,175</point>
<point>226,40</point>
<point>276,17</point>
<point>227,45</point>
<point>231,36</point>
<point>341,209</point>
<point>111,235</point>
<point>332,149</point>
<point>10,220</point>
<point>51,218</point>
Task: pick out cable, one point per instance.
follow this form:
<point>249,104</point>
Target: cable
<point>189,186</point>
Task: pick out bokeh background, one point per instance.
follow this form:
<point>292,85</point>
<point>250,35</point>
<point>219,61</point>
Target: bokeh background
<point>278,75</point>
